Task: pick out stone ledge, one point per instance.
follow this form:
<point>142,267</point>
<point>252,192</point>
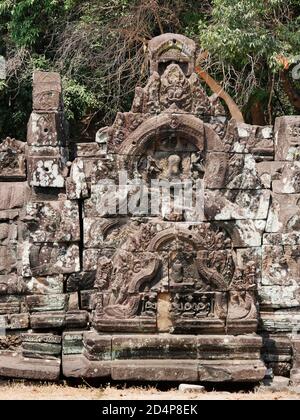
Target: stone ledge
<point>165,370</point>
<point>15,366</point>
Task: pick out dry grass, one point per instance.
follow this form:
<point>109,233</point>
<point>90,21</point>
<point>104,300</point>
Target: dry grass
<point>39,391</point>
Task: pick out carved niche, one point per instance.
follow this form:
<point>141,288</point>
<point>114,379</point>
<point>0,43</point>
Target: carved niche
<point>193,265</point>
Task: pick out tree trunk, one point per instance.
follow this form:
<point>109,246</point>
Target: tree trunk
<point>257,114</point>
<point>293,95</point>
<point>216,88</point>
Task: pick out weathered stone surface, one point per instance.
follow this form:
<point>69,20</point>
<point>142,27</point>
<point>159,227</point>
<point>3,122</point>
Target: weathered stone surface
<point>277,353</point>
<point>41,338</point>
<point>244,138</point>
<point>12,305</point>
<point>17,321</point>
<point>81,281</point>
<point>7,215</point>
<point>280,297</point>
<point>46,91</point>
<point>12,159</point>
<point>49,259</point>
<point>46,129</point>
<point>12,284</point>
<point>56,221</point>
<point>155,370</point>
<point>96,169</point>
<point>41,350</point>
<point>52,302</point>
<point>10,342</point>
<point>289,180</point>
<point>97,347</point>
<point>280,266</point>
<point>284,213</point>
<point>47,320</point>
<point>8,259</point>
<point>77,319</point>
<point>89,150</point>
<point>13,195</point>
<point>154,347</point>
<point>234,171</point>
<point>16,366</point>
<point>287,138</point>
<point>45,285</point>
<point>295,372</point>
<point>77,183</point>
<point>72,342</point>
<point>59,319</point>
<point>236,204</point>
<point>46,172</point>
<point>8,233</point>
<point>229,371</point>
<point>90,259</point>
<point>245,233</point>
<point>77,366</point>
<point>280,321</point>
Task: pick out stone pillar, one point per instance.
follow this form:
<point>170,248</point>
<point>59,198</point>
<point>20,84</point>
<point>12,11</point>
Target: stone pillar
<point>47,152</point>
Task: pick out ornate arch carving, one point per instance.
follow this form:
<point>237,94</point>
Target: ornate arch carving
<point>167,235</point>
<point>197,132</point>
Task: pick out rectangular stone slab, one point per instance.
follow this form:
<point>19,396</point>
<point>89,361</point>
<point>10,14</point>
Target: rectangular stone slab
<point>41,350</point>
<point>52,302</point>
<point>46,95</point>
<point>154,347</point>
<point>45,285</point>
<point>72,342</point>
<point>136,325</point>
<point>77,366</point>
<point>45,259</point>
<point>46,171</point>
<point>287,137</point>
<point>231,371</point>
<point>41,338</point>
<point>46,129</point>
<point>16,366</point>
<point>280,321</point>
<point>96,346</point>
<point>54,221</point>
<point>13,195</point>
<point>155,370</point>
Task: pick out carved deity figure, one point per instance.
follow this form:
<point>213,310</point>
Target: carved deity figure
<point>203,306</point>
<point>174,162</point>
<point>189,307</point>
<point>150,306</point>
<point>177,305</point>
<point>177,271</point>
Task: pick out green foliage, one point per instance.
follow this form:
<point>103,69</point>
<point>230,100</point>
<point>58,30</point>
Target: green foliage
<point>78,99</point>
<point>250,36</point>
<point>238,29</point>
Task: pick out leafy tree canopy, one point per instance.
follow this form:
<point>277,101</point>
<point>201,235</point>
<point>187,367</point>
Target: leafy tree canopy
<point>99,46</point>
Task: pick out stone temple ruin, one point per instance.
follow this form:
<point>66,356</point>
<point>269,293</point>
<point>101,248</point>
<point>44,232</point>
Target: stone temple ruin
<point>188,294</point>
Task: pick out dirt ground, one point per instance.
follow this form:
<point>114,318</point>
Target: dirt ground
<point>37,391</point>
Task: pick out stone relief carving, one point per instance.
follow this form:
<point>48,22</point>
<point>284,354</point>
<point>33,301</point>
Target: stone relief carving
<point>91,291</point>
